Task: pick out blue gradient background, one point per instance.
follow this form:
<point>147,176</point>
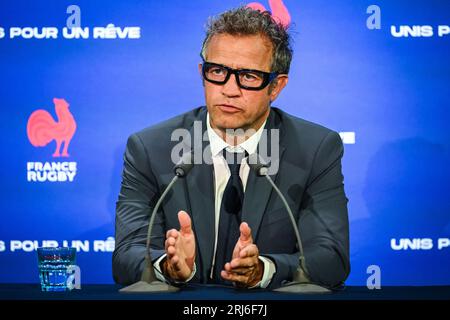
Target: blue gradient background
<point>393,92</point>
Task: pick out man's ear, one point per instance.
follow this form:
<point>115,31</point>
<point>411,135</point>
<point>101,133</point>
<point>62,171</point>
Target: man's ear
<point>277,86</point>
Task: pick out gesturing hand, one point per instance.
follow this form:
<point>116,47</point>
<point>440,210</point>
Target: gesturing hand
<point>180,250</point>
<point>245,268</point>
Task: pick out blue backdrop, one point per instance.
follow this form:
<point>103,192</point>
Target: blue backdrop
<point>390,92</point>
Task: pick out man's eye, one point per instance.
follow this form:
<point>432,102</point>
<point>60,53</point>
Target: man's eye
<point>249,76</point>
<point>217,71</point>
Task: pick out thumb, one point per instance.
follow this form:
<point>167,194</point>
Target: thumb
<point>185,223</point>
<point>246,234</point>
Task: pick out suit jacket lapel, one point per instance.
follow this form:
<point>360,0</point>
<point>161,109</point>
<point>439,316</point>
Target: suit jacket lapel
<point>258,191</point>
<point>200,189</point>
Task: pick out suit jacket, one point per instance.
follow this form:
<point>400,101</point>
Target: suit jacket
<point>309,175</point>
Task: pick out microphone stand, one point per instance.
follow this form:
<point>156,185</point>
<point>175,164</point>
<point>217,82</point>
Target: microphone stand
<point>301,283</point>
<point>149,283</point>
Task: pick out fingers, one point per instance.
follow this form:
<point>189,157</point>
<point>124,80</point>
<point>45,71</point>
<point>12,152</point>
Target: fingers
<point>172,233</point>
<point>234,277</point>
<point>247,273</point>
<point>244,240</point>
<point>242,270</point>
<point>243,251</point>
<point>180,249</point>
<point>243,263</point>
<point>170,247</point>
<point>249,251</point>
<point>246,233</point>
<point>169,244</point>
<point>248,258</point>
<point>245,256</point>
<point>173,259</point>
<point>185,223</point>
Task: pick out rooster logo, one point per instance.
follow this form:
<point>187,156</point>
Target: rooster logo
<point>42,129</point>
<point>279,11</point>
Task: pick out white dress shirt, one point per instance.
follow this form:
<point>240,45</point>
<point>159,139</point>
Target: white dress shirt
<point>221,176</point>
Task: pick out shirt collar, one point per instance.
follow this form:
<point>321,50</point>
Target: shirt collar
<point>218,144</point>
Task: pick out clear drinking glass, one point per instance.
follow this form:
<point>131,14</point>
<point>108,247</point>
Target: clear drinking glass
<point>55,268</point>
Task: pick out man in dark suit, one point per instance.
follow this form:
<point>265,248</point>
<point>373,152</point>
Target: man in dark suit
<point>222,223</point>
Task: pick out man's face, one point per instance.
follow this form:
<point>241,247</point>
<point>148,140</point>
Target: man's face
<point>229,106</point>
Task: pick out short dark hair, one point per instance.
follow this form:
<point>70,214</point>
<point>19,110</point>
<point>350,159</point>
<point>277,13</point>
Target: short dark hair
<point>245,21</point>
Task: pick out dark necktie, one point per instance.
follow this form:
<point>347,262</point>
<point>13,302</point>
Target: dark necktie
<point>230,215</point>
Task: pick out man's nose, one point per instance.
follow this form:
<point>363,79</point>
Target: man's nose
<point>231,87</point>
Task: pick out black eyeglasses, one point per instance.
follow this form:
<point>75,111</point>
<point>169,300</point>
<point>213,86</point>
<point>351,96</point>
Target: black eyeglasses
<point>246,78</point>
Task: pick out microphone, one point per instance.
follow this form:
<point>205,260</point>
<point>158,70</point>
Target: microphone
<point>301,282</point>
<point>149,283</point>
